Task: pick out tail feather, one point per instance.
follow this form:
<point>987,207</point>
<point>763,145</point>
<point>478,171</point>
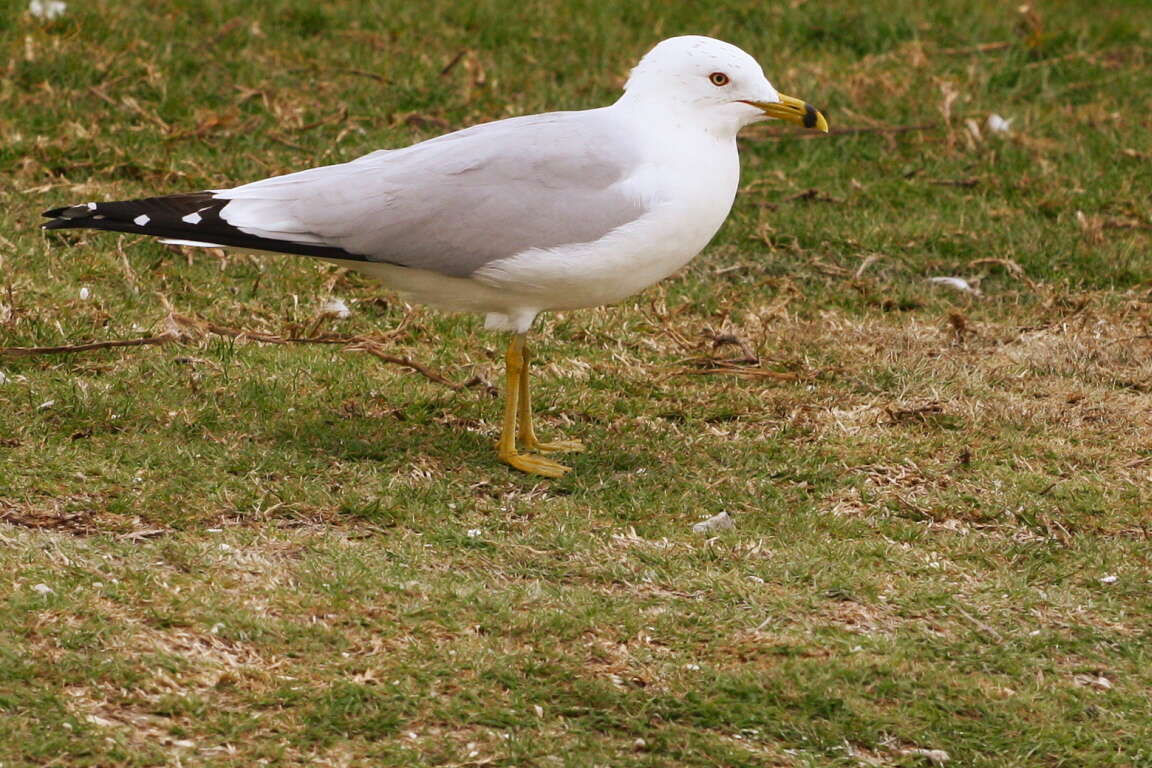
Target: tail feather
<point>188,218</point>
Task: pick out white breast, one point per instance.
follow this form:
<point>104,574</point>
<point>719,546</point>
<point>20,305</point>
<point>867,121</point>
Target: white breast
<point>690,193</point>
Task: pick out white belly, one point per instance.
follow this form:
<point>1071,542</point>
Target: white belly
<point>611,269</point>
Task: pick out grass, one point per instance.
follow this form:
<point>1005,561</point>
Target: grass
<point>222,552</point>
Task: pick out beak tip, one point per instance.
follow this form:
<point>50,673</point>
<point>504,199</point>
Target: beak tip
<point>793,110</point>
<point>814,118</point>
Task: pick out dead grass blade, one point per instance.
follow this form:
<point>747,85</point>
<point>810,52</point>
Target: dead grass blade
<point>1009,266</point>
<point>377,351</point>
<point>67,349</point>
<point>181,328</point>
<point>742,367</point>
<point>782,134</point>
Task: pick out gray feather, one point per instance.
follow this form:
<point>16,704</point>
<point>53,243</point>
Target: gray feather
<point>457,202</point>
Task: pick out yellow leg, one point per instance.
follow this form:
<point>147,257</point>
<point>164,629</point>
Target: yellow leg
<point>506,448</point>
<point>528,439</point>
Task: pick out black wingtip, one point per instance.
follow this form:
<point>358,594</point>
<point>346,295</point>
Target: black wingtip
<point>69,215</point>
<point>192,216</point>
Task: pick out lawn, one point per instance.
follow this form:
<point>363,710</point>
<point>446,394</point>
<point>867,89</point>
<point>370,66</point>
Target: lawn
<point>246,540</point>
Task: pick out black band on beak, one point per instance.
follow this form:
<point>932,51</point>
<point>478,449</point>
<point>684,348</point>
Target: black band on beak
<point>809,116</point>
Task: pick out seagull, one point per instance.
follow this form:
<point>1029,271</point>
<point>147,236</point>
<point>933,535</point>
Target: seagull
<point>555,211</point>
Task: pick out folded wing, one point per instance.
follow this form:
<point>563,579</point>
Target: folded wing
<point>450,205</point>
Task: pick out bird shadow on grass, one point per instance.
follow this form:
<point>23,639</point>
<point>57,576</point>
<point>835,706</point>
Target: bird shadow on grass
<point>438,440</point>
<point>389,442</point>
<point>451,456</point>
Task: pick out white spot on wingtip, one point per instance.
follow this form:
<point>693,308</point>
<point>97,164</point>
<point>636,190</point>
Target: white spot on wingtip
<point>141,220</point>
<point>192,218</point>
<point>91,206</point>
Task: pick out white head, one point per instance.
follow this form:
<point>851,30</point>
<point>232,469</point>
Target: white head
<point>720,84</point>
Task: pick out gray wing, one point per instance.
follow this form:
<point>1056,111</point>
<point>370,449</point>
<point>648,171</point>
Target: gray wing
<point>457,202</point>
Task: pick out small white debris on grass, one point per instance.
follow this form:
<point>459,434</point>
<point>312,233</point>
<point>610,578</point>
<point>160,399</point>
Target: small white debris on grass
<point>47,9</point>
<point>539,710</point>
<point>141,220</point>
<point>43,589</point>
<point>216,628</point>
<point>85,293</point>
<point>958,283</point>
<point>1098,682</point>
<point>3,377</point>
<point>474,533</point>
<point>720,522</point>
<point>45,405</point>
<point>934,756</point>
<point>336,308</point>
<point>997,124</point>
<point>1109,579</point>
<point>692,667</point>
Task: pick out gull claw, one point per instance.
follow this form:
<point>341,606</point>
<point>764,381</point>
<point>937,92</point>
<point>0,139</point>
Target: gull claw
<point>535,465</point>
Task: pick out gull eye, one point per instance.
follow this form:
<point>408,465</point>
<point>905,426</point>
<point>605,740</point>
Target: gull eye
<point>719,79</point>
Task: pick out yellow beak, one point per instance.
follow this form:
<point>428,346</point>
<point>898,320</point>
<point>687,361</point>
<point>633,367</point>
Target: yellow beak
<point>793,110</point>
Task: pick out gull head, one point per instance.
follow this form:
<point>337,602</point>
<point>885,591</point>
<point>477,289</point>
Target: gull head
<point>715,83</point>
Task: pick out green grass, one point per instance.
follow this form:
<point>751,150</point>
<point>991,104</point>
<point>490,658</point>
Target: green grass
<point>295,554</point>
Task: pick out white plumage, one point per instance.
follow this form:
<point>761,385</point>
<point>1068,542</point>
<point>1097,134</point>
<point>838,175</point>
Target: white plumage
<point>554,211</point>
